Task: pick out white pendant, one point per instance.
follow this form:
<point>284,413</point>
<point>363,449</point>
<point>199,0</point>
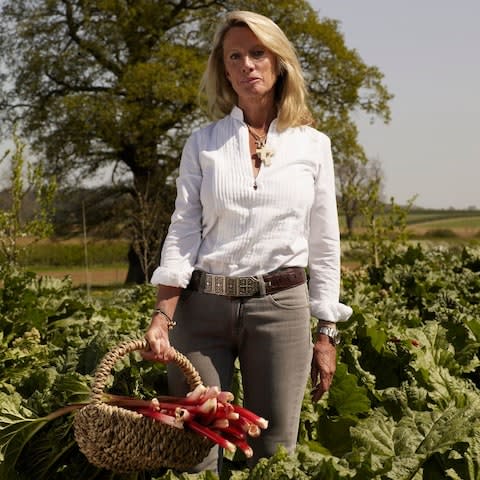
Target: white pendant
<point>265,155</point>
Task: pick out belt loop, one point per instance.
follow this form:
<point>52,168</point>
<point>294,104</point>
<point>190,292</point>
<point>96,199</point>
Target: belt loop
<point>261,286</point>
<point>202,277</point>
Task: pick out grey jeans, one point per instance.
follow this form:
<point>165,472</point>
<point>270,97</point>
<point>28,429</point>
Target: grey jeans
<point>271,337</point>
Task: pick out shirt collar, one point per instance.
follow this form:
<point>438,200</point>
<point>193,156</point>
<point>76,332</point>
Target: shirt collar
<point>237,114</point>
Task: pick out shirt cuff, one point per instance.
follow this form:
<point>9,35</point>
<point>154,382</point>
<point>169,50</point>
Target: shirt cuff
<point>164,276</point>
<point>336,312</point>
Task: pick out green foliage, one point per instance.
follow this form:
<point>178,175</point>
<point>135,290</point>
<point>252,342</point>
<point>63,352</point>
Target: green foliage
<point>440,233</point>
<point>385,226</point>
<point>13,226</point>
<point>404,403</point>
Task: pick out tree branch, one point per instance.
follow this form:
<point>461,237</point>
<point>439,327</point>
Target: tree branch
<point>89,47</point>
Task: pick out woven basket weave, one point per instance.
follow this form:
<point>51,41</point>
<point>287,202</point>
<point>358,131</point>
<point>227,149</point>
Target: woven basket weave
<point>122,440</point>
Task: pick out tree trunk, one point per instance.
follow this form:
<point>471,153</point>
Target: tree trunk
<point>135,273</point>
<point>349,221</point>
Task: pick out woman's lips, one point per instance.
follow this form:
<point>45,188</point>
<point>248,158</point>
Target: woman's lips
<point>251,80</point>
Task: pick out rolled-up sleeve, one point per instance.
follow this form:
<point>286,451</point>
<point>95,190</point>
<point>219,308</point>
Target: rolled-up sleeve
<point>324,244</point>
<point>180,249</point>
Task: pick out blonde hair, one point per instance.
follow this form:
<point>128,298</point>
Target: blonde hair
<point>290,89</point>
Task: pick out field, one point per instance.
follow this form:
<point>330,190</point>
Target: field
<point>99,262</point>
<point>460,223</point>
<point>107,263</point>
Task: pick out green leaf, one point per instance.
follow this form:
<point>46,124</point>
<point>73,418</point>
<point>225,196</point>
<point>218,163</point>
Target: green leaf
<point>49,448</point>
<point>74,387</point>
<point>16,429</point>
<point>334,433</point>
<point>446,389</point>
<point>400,450</point>
<point>472,458</point>
<point>321,465</point>
<point>280,466</point>
<point>345,395</point>
<point>434,350</point>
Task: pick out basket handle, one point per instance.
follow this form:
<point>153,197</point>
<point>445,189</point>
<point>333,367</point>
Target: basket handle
<point>105,367</point>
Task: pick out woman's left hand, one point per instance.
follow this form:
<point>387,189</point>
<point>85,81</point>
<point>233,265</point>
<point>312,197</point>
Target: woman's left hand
<point>324,362</point>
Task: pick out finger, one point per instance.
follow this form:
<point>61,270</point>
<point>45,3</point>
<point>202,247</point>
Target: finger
<point>317,392</point>
<point>314,371</point>
<point>151,344</point>
<point>323,385</point>
<point>149,355</point>
<point>326,381</point>
<point>163,357</point>
<point>169,353</point>
<point>159,349</point>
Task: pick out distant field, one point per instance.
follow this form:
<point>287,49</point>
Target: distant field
<point>431,223</point>
<point>108,262</point>
<point>460,223</point>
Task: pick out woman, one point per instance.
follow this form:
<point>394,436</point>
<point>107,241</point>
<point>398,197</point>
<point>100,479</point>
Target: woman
<point>255,206</point>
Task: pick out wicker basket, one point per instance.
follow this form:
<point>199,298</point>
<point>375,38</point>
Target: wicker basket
<point>122,440</point>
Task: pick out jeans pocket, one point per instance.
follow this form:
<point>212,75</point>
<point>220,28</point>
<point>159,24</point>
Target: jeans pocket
<point>291,298</point>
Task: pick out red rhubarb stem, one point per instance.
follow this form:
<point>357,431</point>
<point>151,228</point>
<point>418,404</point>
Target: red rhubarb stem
<point>253,417</point>
<point>213,436</point>
<point>161,417</point>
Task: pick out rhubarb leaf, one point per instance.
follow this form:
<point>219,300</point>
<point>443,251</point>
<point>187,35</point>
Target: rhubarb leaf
<point>17,427</point>
<point>434,350</point>
<point>281,465</point>
<point>399,450</point>
<point>346,396</point>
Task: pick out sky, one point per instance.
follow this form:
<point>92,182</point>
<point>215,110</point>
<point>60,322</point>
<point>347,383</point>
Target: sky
<point>429,53</point>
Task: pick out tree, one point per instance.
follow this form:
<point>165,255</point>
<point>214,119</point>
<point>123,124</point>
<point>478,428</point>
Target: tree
<point>113,84</point>
<point>385,227</point>
<point>357,177</point>
<point>19,229</point>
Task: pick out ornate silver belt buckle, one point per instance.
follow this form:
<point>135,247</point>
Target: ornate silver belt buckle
<point>247,286</point>
<point>230,286</point>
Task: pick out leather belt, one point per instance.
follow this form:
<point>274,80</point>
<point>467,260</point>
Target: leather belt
<point>247,286</point>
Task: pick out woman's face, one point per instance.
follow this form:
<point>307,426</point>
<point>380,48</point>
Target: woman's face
<point>249,66</point>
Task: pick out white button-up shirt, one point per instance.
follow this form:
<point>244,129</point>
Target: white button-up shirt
<point>223,225</point>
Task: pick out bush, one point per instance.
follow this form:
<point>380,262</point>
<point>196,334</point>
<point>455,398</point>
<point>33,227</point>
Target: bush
<point>440,233</point>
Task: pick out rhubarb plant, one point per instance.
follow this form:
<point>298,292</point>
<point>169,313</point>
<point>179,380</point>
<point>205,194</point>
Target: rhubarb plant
<point>404,403</point>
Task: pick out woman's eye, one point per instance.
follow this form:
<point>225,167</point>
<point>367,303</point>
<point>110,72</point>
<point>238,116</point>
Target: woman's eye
<point>234,56</point>
<point>258,53</point>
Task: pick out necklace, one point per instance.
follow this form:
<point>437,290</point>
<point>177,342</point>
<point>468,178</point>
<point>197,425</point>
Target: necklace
<point>263,152</point>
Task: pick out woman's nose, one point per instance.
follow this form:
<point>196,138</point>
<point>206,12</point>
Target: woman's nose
<point>248,63</point>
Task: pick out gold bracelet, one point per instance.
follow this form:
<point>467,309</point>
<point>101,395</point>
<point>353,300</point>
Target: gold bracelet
<point>170,323</point>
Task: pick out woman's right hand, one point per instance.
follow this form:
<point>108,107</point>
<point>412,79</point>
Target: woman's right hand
<point>157,337</point>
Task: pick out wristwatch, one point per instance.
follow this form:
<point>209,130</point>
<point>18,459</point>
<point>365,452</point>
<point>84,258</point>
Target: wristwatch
<point>332,333</point>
